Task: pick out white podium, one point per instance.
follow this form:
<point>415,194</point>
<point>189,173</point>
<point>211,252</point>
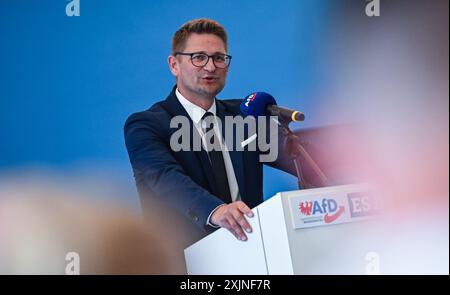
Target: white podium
<point>314,231</point>
<point>329,230</point>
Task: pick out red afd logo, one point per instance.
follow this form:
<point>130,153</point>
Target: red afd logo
<point>326,210</point>
<point>331,218</point>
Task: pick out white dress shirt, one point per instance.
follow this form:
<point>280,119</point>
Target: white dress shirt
<point>196,113</point>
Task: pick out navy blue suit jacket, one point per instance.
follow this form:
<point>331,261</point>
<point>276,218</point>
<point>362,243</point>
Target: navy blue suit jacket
<point>183,179</point>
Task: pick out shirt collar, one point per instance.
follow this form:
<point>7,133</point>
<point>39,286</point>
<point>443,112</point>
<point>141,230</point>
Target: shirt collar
<point>195,112</point>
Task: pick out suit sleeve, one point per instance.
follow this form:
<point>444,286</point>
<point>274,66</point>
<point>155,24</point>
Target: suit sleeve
<point>158,171</point>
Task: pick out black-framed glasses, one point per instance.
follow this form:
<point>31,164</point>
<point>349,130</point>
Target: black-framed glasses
<point>201,59</point>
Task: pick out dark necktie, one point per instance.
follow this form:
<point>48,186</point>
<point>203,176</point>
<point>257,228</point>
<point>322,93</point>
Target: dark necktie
<point>216,159</point>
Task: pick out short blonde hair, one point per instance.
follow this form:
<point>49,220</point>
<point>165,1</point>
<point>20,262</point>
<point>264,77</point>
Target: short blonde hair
<point>199,26</point>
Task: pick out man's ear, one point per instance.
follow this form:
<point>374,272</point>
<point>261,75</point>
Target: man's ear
<point>173,65</point>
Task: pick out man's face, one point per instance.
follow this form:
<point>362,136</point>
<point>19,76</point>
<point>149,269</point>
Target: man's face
<point>199,82</point>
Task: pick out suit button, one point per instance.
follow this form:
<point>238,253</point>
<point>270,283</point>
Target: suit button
<point>193,216</point>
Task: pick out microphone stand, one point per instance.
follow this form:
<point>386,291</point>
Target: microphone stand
<point>295,149</point>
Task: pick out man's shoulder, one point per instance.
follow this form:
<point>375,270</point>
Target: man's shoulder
<point>155,119</point>
<point>155,112</point>
<point>232,105</point>
<point>232,101</point>
<point>158,113</point>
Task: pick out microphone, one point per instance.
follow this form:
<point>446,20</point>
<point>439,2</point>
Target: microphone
<point>263,104</point>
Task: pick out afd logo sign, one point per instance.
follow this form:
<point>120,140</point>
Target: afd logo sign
<point>325,210</point>
<point>335,205</point>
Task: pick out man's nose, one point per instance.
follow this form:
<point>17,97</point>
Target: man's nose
<point>210,66</point>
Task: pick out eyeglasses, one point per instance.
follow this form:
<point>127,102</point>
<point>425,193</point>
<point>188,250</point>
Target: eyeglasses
<point>200,59</point>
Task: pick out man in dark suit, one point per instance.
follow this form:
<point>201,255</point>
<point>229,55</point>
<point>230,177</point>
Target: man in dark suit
<point>212,189</point>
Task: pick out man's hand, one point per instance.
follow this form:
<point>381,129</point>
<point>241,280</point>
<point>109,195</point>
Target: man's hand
<point>231,216</point>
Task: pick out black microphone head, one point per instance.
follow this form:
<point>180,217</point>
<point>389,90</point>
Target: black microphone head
<point>255,104</point>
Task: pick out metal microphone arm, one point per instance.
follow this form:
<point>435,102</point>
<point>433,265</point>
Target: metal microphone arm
<point>296,149</point>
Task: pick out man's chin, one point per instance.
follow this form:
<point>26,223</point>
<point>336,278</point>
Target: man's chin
<point>211,90</point>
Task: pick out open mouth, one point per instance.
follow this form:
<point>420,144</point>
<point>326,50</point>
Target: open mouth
<point>209,78</point>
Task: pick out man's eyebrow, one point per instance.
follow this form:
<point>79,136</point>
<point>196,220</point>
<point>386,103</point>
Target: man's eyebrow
<point>217,52</point>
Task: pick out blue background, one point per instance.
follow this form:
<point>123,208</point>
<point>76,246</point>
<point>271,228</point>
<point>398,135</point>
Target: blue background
<point>67,84</point>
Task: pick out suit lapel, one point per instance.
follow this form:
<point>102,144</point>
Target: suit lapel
<point>174,107</point>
